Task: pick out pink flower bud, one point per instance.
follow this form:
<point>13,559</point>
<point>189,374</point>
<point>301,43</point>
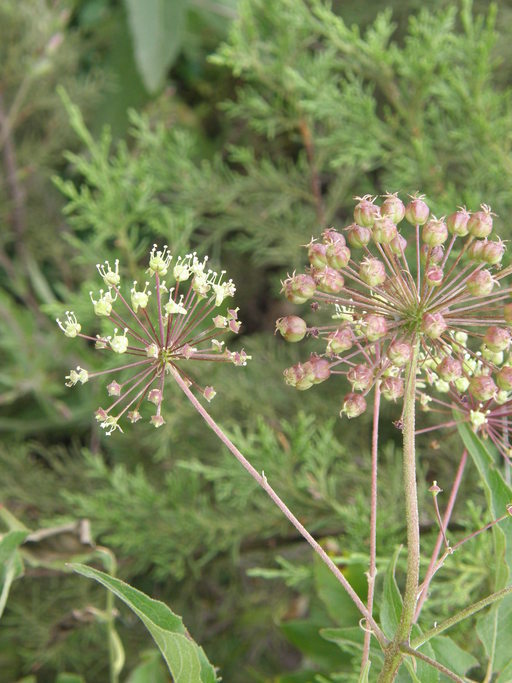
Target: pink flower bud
<point>316,254</point>
<point>398,245</point>
<point>475,250</point>
<point>416,212</point>
<point>375,327</point>
<point>299,376</point>
<point>433,324</point>
<point>384,231</point>
<point>292,328</point>
<point>340,340</point>
<point>492,252</point>
<point>434,232</point>
<point>392,388</point>
<point>114,389</point>
<point>338,255</point>
<point>393,208</point>
<point>365,212</point>
<point>321,368</point>
<point>155,396</point>
<point>497,339</point>
<point>434,276</point>
<point>431,254</point>
<point>449,369</point>
<point>457,222</point>
<point>353,405</point>
<point>480,283</point>
<point>209,393</point>
<point>400,352</point>
<point>134,416</point>
<point>299,288</point>
<point>482,388</point>
<point>157,421</point>
<point>330,235</point>
<point>504,378</point>
<point>372,272</point>
<point>480,223</point>
<point>329,280</point>
<point>358,236</point>
<point>360,377</point>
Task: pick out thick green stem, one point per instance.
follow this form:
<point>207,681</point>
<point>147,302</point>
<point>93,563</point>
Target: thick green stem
<point>393,656</point>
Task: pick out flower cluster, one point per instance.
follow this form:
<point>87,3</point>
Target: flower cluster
<point>433,290</point>
<point>163,326</point>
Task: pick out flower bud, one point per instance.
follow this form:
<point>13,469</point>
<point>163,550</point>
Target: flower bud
<point>482,388</point>
<point>71,327</point>
<point>504,378</point>
<point>330,235</point>
<point>449,369</point>
<point>433,325</point>
<point>321,368</point>
<point>434,232</point>
<point>434,276</point>
<point>398,245</point>
<point>134,416</point>
<point>159,261</point>
<point>399,352</point>
<point>462,384</point>
<point>475,250</point>
<point>209,393</point>
<point>155,396</point>
<point>457,222</point>
<point>157,421</point>
<point>292,328</point>
<point>392,388</point>
<point>365,212</point>
<point>384,231</point>
<point>299,288</point>
<point>353,405</point>
<point>360,377</point>
<point>492,252</point>
<point>340,340</point>
<point>497,338</point>
<point>358,236</point>
<point>393,208</point>
<point>416,212</point>
<point>299,376</point>
<point>432,255</point>
<point>480,283</point>
<point>375,327</point>
<point>119,342</point>
<point>480,223</point>
<point>338,255</point>
<point>495,357</point>
<point>316,254</point>
<point>372,272</point>
<point>329,280</point>
<point>114,389</point>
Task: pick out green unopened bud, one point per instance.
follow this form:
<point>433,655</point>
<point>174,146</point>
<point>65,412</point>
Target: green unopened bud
<point>329,280</point>
<point>317,254</point>
<point>416,212</point>
<point>353,405</point>
<point>340,340</point>
<point>482,388</point>
<point>400,352</point>
<point>365,212</point>
<point>449,369</point>
<point>384,231</point>
<point>492,252</point>
<point>372,272</point>
<point>480,223</point>
<point>504,378</point>
<point>360,377</point>
<point>375,327</point>
<point>457,222</point>
<point>497,338</point>
<point>292,328</point>
<point>434,232</point>
<point>480,283</point>
<point>392,388</point>
<point>321,368</point>
<point>299,288</point>
<point>393,208</point>
<point>434,276</point>
<point>433,324</point>
<point>338,255</point>
<point>358,235</point>
<point>462,384</point>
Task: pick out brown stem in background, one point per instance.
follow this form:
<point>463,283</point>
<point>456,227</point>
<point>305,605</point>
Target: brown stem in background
<point>307,139</point>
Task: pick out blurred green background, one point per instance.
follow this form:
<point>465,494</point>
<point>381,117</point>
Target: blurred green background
<point>238,129</point>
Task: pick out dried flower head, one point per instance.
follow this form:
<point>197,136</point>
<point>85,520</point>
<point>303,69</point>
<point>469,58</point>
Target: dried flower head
<point>435,291</point>
<point>162,326</point>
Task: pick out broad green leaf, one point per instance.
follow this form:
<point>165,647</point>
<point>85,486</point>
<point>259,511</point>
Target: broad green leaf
<point>150,670</point>
<point>186,661</point>
<point>351,640</point>
<point>157,28</point>
<point>69,678</point>
<point>494,630</point>
<point>505,675</point>
<point>306,636</point>
<point>339,606</point>
<point>11,565</point>
<point>448,653</point>
<point>391,606</point>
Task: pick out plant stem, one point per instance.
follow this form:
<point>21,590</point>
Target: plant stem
<point>372,569</point>
<point>393,656</point>
<point>262,481</point>
<point>439,541</point>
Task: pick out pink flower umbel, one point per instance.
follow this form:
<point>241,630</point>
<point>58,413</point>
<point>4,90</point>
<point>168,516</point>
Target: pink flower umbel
<point>434,290</point>
<point>164,326</point>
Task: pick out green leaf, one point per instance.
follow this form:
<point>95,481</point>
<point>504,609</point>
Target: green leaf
<point>157,28</point>
<point>69,678</point>
<point>340,607</point>
<point>186,661</point>
<point>308,638</point>
<point>391,607</point>
<point>150,670</point>
<point>11,565</point>
<point>506,674</point>
<point>448,653</point>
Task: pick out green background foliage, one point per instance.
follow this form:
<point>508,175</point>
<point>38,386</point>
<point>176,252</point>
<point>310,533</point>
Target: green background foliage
<point>237,130</point>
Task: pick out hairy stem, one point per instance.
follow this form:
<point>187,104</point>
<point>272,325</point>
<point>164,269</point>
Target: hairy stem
<point>372,568</point>
<point>262,481</point>
<point>393,656</point>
